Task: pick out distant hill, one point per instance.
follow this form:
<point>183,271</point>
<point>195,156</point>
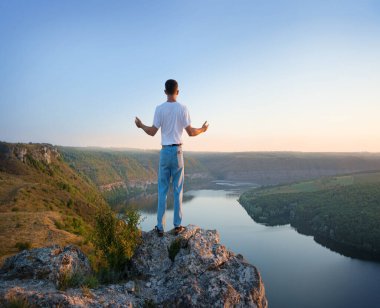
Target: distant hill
<point>272,168</point>
<point>42,199</point>
<point>107,166</point>
<point>342,212</point>
<point>122,174</point>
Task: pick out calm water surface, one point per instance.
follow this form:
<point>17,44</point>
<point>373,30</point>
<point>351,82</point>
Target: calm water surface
<point>297,272</point>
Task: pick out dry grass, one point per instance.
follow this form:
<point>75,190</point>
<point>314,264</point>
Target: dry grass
<point>37,228</point>
<point>43,205</point>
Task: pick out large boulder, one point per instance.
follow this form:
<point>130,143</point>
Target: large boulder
<point>50,263</point>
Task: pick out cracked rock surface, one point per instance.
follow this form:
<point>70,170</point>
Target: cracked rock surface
<point>203,273</point>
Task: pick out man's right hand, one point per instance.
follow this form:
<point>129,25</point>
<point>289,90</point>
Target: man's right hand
<point>138,122</point>
<point>192,132</point>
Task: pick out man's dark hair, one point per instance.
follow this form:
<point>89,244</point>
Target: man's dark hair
<point>171,86</point>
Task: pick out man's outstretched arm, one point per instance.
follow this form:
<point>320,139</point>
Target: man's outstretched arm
<point>192,131</point>
<point>150,130</point>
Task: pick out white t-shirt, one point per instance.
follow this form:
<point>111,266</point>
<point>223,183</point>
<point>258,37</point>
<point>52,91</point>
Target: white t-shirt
<point>172,118</point>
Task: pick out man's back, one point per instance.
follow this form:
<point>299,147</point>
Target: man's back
<point>172,117</point>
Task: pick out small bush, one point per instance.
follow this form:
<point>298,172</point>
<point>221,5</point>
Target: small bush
<point>148,303</point>
<point>16,302</point>
<point>59,225</point>
<point>75,280</point>
<point>23,246</point>
<point>68,280</point>
<point>64,186</point>
<point>90,282</point>
<point>174,248</point>
<point>115,240</point>
<point>77,226</point>
<point>108,275</point>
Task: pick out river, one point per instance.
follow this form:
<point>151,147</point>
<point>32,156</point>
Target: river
<point>297,271</point>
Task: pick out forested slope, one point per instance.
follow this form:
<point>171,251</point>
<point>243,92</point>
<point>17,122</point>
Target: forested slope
<point>342,213</point>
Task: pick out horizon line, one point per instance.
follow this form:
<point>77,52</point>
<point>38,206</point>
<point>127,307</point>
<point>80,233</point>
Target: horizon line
<point>195,151</point>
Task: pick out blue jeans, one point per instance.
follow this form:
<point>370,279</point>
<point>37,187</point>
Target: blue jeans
<point>171,166</point>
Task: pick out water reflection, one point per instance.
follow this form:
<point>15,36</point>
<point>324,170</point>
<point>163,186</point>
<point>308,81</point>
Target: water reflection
<point>147,203</point>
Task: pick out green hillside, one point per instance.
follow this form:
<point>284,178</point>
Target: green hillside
<point>106,166</point>
<point>341,212</point>
<point>121,175</point>
<point>42,200</point>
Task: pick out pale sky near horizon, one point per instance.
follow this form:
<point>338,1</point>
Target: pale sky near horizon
<point>266,75</point>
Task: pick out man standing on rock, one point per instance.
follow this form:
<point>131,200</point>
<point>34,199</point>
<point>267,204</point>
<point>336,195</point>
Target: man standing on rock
<point>172,117</point>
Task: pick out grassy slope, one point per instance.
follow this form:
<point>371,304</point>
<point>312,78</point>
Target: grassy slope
<point>342,212</point>
<point>128,172</point>
<point>42,203</point>
<point>105,166</point>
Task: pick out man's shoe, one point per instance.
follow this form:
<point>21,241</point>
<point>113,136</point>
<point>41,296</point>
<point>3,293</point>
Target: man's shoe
<point>178,230</point>
<point>159,232</point>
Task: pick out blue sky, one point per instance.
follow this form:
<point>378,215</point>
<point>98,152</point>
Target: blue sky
<point>267,75</point>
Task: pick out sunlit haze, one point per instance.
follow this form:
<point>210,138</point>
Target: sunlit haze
<point>266,75</point>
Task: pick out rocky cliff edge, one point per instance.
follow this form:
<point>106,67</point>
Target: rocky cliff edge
<point>189,270</point>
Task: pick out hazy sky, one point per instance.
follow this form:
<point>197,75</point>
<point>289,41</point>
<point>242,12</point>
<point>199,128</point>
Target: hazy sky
<point>267,75</point>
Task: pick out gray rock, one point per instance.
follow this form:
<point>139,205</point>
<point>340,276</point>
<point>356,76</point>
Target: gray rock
<point>48,263</point>
<point>203,273</point>
<point>42,293</point>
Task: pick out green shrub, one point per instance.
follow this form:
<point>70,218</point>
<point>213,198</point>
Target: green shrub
<point>59,225</point>
<point>68,280</point>
<point>174,248</point>
<point>149,303</point>
<point>116,238</point>
<point>90,282</point>
<point>74,280</point>
<point>64,186</point>
<point>77,226</point>
<point>16,302</point>
<point>23,246</point>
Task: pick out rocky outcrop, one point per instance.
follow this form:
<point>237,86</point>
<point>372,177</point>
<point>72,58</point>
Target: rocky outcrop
<point>42,152</point>
<point>201,273</point>
<point>189,270</point>
<point>49,263</point>
<point>39,152</point>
